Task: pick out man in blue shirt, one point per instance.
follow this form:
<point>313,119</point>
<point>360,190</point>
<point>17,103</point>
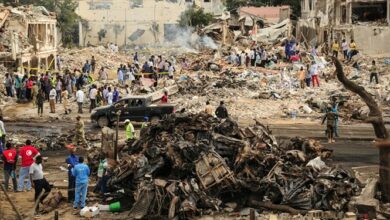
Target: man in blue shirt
<point>72,160</point>
<point>81,173</point>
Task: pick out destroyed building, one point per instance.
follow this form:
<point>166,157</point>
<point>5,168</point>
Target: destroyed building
<point>271,15</point>
<point>28,38</point>
<point>365,21</point>
<point>134,22</point>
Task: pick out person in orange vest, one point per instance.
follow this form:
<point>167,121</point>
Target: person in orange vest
<point>10,157</point>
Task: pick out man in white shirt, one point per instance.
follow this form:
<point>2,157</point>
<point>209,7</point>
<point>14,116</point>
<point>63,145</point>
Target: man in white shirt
<point>80,100</point>
<point>38,180</point>
<point>52,99</point>
<point>92,98</point>
<point>2,133</point>
<point>110,96</point>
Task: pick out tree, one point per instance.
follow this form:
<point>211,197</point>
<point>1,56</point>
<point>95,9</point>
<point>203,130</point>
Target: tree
<point>376,119</point>
<point>67,19</point>
<point>195,17</point>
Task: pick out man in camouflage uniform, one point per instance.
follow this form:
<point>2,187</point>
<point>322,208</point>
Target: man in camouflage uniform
<point>80,134</point>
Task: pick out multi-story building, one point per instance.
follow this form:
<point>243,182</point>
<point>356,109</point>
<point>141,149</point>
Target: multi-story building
<point>134,22</point>
<point>29,38</point>
<point>365,21</point>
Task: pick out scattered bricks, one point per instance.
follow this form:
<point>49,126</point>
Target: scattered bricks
<point>350,216</point>
<point>315,214</point>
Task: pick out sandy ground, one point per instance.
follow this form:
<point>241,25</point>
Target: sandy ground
<point>24,201</point>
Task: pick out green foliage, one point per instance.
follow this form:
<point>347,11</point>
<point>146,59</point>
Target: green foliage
<point>233,5</point>
<point>67,19</point>
<point>195,17</point>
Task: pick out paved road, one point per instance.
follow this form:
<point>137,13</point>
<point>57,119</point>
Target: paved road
<point>353,148</point>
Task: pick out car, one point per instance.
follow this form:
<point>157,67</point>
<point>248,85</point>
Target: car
<point>134,108</point>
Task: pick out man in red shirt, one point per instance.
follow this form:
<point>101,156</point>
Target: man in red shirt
<point>10,157</point>
<point>164,99</point>
<point>28,154</point>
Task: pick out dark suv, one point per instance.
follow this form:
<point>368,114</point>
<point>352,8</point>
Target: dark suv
<point>135,108</point>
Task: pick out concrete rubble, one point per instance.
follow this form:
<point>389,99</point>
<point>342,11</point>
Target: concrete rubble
<point>193,164</point>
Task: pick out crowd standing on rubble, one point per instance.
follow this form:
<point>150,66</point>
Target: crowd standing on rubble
<point>63,86</point>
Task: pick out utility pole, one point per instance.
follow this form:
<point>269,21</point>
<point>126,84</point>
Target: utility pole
<point>118,113</point>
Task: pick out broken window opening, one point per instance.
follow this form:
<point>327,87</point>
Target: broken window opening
<point>137,4</point>
<point>368,12</point>
<point>343,14</point>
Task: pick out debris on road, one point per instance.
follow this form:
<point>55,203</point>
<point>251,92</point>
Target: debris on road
<point>193,164</point>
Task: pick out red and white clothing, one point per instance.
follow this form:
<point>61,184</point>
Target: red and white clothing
<point>27,153</point>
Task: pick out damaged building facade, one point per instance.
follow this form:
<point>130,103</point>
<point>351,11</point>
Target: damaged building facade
<point>135,22</point>
<point>28,38</point>
<point>365,21</point>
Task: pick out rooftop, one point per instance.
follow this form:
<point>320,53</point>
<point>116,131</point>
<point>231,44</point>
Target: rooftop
<point>268,13</point>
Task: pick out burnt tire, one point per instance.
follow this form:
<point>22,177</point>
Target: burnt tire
<point>103,122</point>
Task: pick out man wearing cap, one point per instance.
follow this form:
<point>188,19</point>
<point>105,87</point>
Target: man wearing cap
<point>80,134</point>
<point>72,160</point>
<point>144,124</point>
<point>129,130</point>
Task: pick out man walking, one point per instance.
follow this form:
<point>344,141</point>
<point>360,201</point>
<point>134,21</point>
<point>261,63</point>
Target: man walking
<point>72,160</point>
<point>130,133</point>
<point>374,72</point>
<point>221,111</point>
<point>27,153</point>
<point>81,173</point>
<point>80,100</point>
<point>52,99</point>
<point>10,157</point>
<point>38,181</point>
<point>330,118</point>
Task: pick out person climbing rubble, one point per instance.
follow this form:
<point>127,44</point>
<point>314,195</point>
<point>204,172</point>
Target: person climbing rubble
<point>221,112</point>
<point>80,134</point>
<point>330,118</point>
<point>374,73</point>
<point>208,109</point>
<point>335,49</point>
<point>164,98</point>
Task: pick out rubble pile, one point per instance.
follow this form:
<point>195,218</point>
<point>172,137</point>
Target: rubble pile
<point>13,36</point>
<point>75,58</point>
<point>194,164</point>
